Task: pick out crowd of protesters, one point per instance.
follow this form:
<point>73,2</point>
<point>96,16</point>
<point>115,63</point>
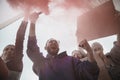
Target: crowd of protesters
<point>92,65</point>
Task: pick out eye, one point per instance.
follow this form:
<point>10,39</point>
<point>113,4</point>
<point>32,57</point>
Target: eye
<point>99,48</point>
<point>12,49</point>
<point>95,49</point>
<point>6,49</point>
<point>50,41</point>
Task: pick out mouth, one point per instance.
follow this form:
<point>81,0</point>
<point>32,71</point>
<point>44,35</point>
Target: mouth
<point>53,47</point>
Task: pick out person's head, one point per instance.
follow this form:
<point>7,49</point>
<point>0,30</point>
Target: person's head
<point>97,47</point>
<point>52,46</point>
<point>8,52</point>
<point>78,54</point>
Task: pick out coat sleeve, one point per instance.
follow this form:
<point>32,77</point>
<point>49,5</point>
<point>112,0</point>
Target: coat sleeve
<point>86,70</point>
<point>19,40</point>
<point>33,51</point>
<point>35,55</point>
<point>17,60</point>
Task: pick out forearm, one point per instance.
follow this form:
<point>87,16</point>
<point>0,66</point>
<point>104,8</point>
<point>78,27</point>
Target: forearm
<point>32,47</point>
<point>33,50</point>
<point>99,61</point>
<point>32,30</point>
<point>32,42</point>
<point>90,55</point>
<point>22,29</point>
<point>20,37</point>
<point>33,19</point>
<point>105,60</point>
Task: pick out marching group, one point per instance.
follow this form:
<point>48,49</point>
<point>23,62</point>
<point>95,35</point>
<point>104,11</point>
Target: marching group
<point>92,65</point>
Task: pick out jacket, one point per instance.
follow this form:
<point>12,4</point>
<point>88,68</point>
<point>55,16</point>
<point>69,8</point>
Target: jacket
<point>61,66</point>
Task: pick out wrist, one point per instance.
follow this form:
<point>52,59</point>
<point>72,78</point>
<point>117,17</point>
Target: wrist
<point>33,21</point>
<point>25,19</point>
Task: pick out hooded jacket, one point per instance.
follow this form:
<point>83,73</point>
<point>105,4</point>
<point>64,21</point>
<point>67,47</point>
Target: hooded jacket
<point>61,66</point>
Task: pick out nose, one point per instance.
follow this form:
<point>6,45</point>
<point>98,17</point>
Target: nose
<point>9,50</point>
<point>54,42</point>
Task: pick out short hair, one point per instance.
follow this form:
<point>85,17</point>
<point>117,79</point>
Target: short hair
<point>50,40</point>
<point>5,48</point>
<point>8,46</point>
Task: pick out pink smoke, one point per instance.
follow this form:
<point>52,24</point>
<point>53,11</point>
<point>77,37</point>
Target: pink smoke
<point>30,5</point>
<point>67,4</point>
<point>42,5</point>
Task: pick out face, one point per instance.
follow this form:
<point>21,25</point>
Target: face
<point>97,48</point>
<point>52,47</point>
<point>8,52</point>
<point>77,54</point>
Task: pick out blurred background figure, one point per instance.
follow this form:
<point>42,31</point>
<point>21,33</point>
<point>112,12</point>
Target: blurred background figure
<point>101,60</point>
<point>114,58</point>
<point>80,54</point>
<point>13,54</point>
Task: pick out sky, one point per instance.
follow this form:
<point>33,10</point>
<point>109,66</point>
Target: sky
<point>58,25</point>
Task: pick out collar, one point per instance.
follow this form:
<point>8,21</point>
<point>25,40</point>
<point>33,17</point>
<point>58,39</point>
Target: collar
<point>60,55</point>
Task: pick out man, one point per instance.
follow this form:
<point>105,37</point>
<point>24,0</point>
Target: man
<point>13,54</point>
<point>57,66</point>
